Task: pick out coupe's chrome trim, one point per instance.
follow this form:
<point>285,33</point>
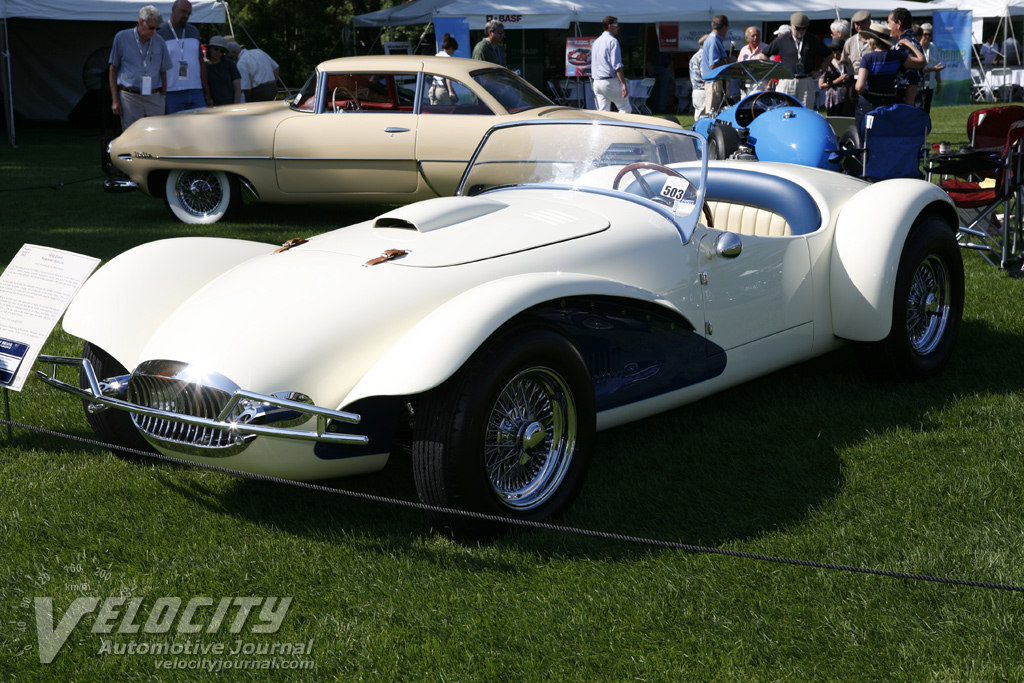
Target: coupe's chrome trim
<point>360,159</point>
<point>229,419</point>
<point>419,168</point>
<point>119,185</point>
<point>211,158</point>
<point>396,129</point>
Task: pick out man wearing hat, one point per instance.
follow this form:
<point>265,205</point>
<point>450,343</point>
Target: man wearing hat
<point>802,52</point>
<point>221,73</point>
<point>855,48</point>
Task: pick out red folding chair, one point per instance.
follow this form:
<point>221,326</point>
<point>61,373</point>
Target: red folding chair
<point>988,127</point>
<point>987,230</point>
<point>987,130</point>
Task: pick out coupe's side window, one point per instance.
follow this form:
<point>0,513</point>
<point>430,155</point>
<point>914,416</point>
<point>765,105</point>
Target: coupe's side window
<point>443,95</point>
<point>370,92</point>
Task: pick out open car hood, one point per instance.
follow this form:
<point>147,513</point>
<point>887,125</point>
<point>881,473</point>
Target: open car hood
<point>752,69</point>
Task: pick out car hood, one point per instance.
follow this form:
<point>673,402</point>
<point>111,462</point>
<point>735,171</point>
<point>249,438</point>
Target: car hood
<point>450,231</point>
<point>315,317</point>
<point>232,129</point>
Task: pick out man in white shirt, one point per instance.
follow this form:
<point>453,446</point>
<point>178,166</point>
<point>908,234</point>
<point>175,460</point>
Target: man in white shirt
<point>186,79</point>
<point>609,80</point>
<point>258,71</point>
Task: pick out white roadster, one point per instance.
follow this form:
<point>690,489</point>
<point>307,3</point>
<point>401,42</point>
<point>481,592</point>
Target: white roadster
<point>588,273</point>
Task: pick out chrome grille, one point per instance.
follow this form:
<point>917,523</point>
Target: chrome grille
<point>174,387</point>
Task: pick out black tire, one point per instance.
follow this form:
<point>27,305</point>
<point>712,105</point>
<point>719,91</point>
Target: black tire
<point>111,426</point>
<point>201,196</point>
<point>723,142</point>
<point>928,305</point>
<point>850,139</point>
<point>526,396</point>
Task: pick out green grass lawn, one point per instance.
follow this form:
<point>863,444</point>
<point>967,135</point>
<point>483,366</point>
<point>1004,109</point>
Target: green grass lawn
<point>812,463</point>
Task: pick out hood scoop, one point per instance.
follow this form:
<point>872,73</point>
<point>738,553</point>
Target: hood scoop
<point>438,213</point>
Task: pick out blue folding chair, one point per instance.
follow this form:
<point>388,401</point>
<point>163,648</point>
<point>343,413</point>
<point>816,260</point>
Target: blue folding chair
<point>889,143</point>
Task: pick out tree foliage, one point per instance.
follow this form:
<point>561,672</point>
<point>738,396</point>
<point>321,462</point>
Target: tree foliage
<point>299,34</point>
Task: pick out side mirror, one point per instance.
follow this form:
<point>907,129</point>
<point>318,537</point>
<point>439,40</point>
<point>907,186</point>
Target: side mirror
<point>728,245</point>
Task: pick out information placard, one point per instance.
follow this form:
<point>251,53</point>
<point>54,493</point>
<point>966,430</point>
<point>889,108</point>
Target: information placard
<point>35,290</point>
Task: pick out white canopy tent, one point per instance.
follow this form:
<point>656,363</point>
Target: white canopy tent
<point>53,52</point>
<point>560,14</point>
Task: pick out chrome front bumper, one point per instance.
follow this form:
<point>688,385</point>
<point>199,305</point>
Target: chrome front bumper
<point>232,418</point>
<point>120,185</point>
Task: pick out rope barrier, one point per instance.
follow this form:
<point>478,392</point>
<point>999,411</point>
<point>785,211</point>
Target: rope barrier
<point>52,187</point>
<point>673,545</point>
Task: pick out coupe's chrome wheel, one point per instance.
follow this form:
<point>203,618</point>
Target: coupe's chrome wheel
<point>199,192</point>
<point>530,438</point>
<point>201,196</point>
<point>928,305</point>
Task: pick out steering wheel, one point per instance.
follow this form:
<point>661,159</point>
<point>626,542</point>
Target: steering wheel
<point>648,190</point>
<point>771,102</point>
<point>351,105</point>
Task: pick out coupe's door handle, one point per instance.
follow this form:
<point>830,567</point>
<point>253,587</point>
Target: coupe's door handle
<point>393,130</point>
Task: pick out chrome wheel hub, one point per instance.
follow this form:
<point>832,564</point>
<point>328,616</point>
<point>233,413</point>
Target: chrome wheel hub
<point>928,305</point>
<point>530,438</point>
<point>199,192</point>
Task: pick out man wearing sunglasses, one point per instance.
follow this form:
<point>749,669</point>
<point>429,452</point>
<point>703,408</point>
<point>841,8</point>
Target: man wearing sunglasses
<point>489,48</point>
<point>138,69</point>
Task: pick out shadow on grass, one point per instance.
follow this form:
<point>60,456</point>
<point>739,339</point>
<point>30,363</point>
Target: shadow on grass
<point>753,460</point>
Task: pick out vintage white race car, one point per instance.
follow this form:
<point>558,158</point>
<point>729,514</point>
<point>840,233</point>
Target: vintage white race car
<point>587,274</point>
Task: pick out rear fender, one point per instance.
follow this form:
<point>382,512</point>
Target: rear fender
<point>172,271</point>
<point>418,363</point>
<point>869,238</point>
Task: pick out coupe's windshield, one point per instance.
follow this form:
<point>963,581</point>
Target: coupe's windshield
<point>514,94</point>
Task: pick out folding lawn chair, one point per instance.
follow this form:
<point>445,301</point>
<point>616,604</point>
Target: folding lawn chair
<point>988,230</point>
<point>888,144</point>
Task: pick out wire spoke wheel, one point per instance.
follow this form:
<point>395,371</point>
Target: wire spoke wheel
<point>508,435</point>
<point>199,192</point>
<point>200,196</point>
<point>530,438</point>
<point>928,305</point>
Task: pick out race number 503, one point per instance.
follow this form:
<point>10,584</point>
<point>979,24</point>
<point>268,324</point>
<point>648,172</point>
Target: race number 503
<point>675,188</point>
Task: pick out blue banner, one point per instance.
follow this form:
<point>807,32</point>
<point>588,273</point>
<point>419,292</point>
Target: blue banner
<point>457,28</point>
<point>951,35</point>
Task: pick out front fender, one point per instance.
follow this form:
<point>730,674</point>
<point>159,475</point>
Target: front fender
<point>146,284</point>
<point>869,238</point>
<point>418,362</point>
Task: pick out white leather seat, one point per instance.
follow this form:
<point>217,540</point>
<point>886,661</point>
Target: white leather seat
<point>748,220</point>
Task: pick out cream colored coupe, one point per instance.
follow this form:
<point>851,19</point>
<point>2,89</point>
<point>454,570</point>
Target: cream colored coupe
<point>362,129</point>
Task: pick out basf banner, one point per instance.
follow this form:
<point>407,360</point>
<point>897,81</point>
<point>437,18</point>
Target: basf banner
<point>951,35</point>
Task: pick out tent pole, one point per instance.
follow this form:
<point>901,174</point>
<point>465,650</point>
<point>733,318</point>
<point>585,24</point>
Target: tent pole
<point>227,13</point>
<point>8,89</point>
